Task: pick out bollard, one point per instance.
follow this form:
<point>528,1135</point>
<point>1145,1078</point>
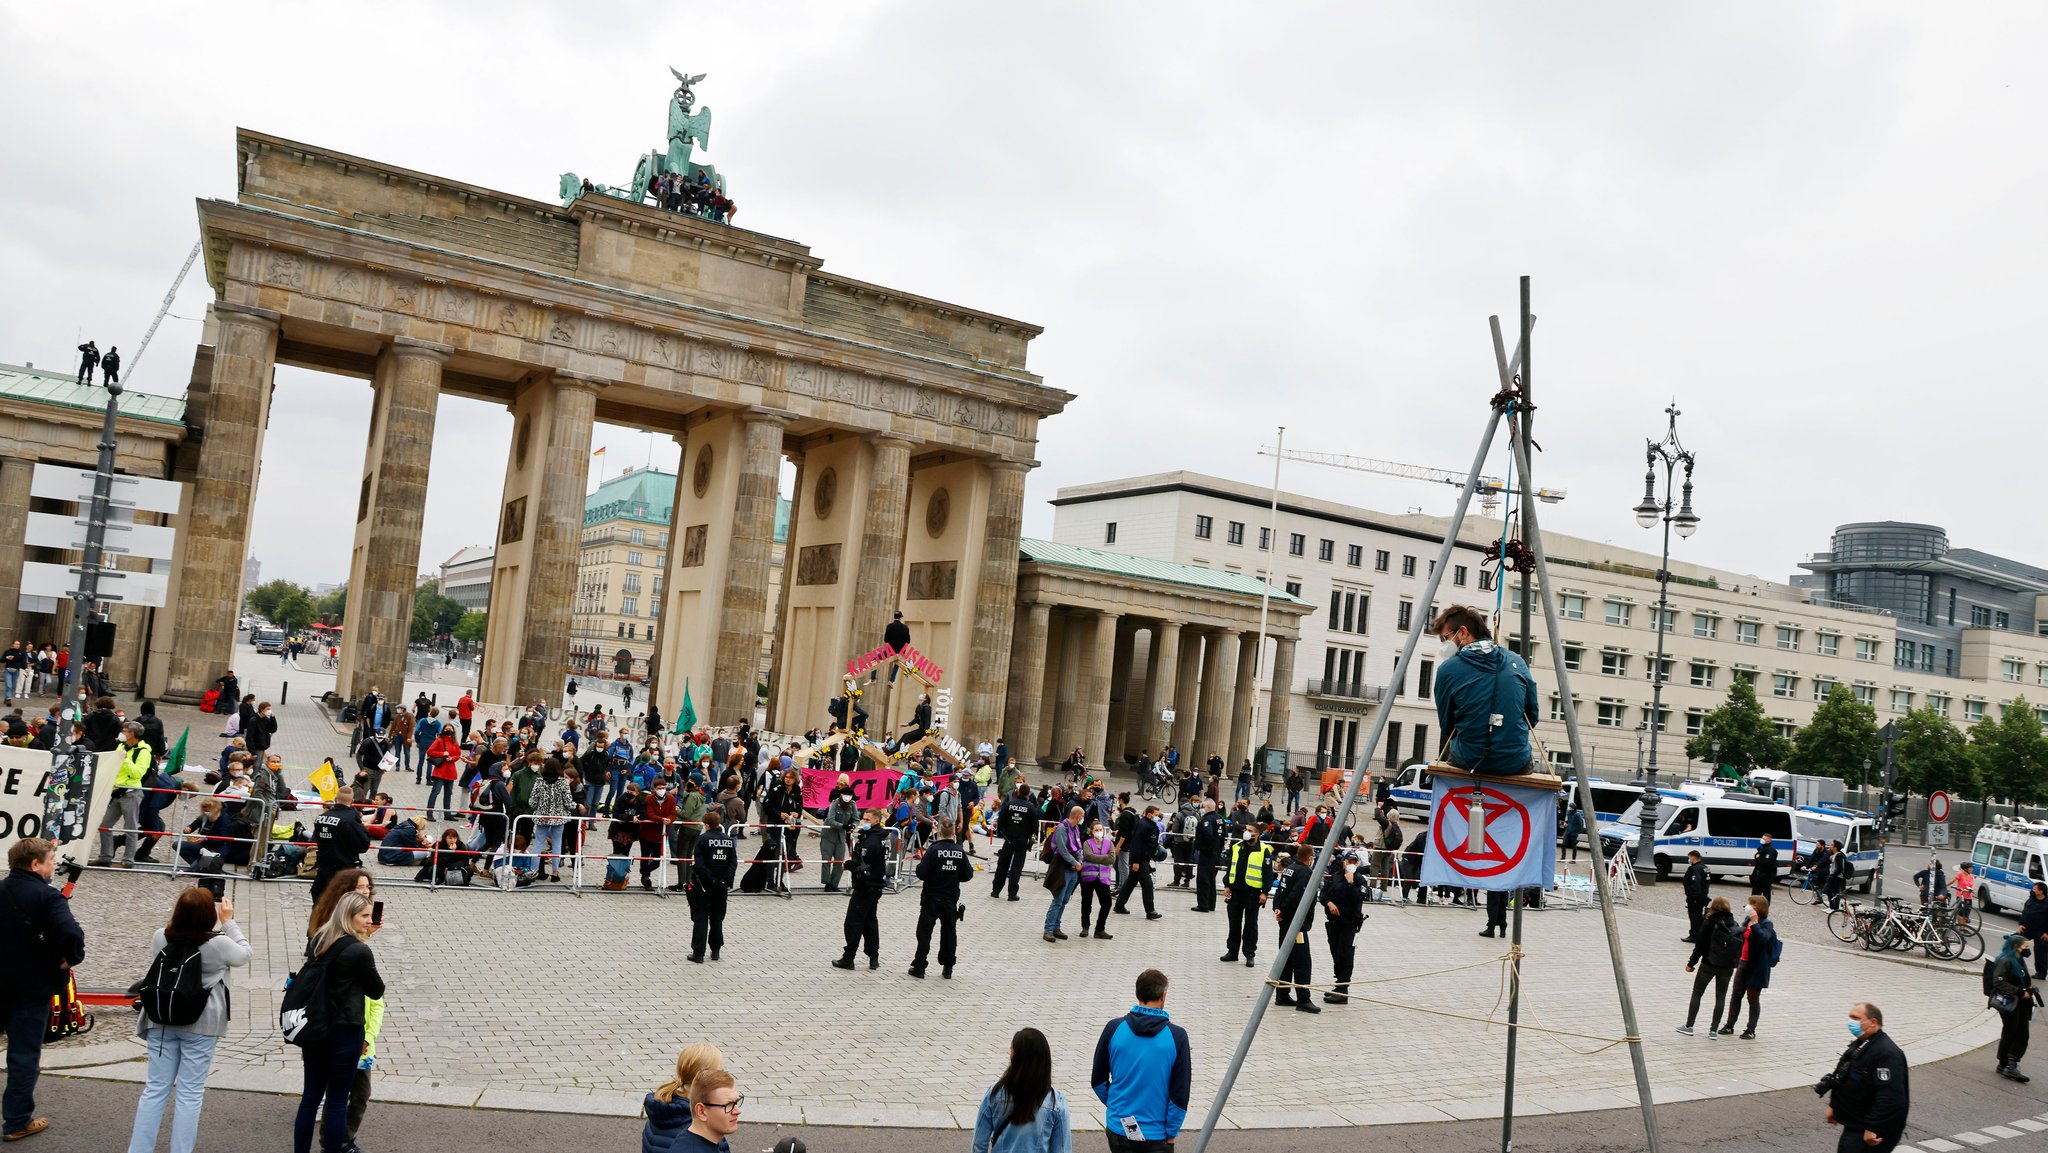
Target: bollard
<point>284,693</point>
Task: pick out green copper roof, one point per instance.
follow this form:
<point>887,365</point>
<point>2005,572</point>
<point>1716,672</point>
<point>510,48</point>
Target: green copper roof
<point>1145,568</point>
<point>40,387</point>
<point>645,494</point>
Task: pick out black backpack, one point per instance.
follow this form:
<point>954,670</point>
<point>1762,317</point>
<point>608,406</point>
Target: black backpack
<point>302,1014</point>
<point>172,992</point>
<point>1724,943</point>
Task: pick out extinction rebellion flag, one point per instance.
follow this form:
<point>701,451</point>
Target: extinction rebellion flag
<point>1518,848</point>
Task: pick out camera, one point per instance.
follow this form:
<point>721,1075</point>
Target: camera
<point>1826,1085</point>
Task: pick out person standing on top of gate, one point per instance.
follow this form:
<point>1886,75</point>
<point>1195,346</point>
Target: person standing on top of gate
<point>1485,697</point>
<point>201,932</point>
<point>895,638</point>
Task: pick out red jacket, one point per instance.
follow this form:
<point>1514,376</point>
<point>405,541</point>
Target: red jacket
<point>655,813</point>
<point>445,755</point>
<point>465,708</point>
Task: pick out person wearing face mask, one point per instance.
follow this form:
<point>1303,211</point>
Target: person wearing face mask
<point>1763,868</point>
<point>869,868</point>
<point>1760,951</point>
<point>1288,889</point>
<point>2014,997</point>
<point>1209,845</point>
<point>941,871</point>
<point>1343,898</point>
<point>1244,878</point>
<point>711,877</point>
<point>657,812</point>
<point>1867,1093</point>
<point>1485,697</point>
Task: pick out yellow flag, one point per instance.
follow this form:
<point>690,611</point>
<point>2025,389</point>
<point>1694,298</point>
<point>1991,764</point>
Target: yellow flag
<point>323,780</point>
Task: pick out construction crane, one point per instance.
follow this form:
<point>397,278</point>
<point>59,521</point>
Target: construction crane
<point>1489,492</point>
<point>135,362</point>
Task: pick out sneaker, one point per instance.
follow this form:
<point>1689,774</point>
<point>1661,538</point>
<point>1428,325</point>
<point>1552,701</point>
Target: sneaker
<point>1725,1030</point>
<point>1686,1030</point>
<point>1713,1034</point>
<point>1745,1035</point>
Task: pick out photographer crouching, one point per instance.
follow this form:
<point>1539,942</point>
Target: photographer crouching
<point>1867,1094</point>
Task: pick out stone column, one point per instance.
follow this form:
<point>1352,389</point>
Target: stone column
<point>215,532</point>
<point>15,474</point>
<point>1116,746</point>
<point>1241,697</point>
<point>779,657</point>
<point>384,569</point>
<point>878,582</point>
<point>1069,710</point>
<point>1280,700</point>
<point>1101,660</point>
<point>1165,673</point>
<point>557,539</point>
<point>1219,664</point>
<point>995,602</point>
<point>1027,682</point>
<point>657,661</point>
<point>1187,694</point>
<point>736,667</point>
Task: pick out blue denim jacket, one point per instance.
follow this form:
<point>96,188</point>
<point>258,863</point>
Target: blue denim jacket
<point>1051,1131</point>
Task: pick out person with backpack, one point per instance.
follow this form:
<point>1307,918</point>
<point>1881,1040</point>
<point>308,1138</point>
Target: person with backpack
<point>322,1012</point>
<point>1717,949</point>
<point>1760,953</point>
<point>184,1007</point>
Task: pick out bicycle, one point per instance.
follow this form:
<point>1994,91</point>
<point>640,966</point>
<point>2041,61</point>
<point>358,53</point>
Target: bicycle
<point>1901,930</point>
<point>330,662</point>
<point>1851,924</point>
<point>1806,891</point>
<point>1956,915</point>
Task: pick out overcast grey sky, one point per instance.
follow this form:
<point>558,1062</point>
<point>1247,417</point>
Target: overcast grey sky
<point>1818,226</point>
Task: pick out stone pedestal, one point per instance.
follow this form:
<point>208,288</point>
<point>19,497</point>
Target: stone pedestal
<point>987,680</point>
<point>215,536</point>
<point>15,474</point>
<point>1027,683</point>
<point>383,568</point>
<point>540,527</point>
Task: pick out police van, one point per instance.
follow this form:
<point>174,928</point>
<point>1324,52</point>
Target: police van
<point>2010,856</point>
<point>1411,794</point>
<point>1725,828</point>
<point>1857,830</point>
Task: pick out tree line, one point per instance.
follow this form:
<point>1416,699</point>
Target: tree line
<point>2003,758</point>
<point>292,607</point>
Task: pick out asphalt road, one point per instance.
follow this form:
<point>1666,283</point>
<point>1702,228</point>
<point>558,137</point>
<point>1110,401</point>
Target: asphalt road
<point>1948,1098</point>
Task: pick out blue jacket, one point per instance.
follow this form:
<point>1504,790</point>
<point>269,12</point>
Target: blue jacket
<point>1142,1071</point>
<point>665,1119</point>
<point>1481,681</point>
<point>1050,1131</point>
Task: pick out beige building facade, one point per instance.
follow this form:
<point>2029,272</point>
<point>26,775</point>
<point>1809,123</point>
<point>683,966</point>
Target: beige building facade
<point>915,417</point>
<point>1365,573</point>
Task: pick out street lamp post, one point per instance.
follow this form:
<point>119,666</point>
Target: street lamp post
<point>1671,454</point>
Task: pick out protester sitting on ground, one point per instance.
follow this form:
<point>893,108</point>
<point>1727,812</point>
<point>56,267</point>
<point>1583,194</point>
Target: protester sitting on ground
<point>403,845</point>
<point>377,818</point>
<point>447,863</point>
<point>668,1107</point>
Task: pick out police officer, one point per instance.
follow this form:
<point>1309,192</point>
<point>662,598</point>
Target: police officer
<point>340,839</point>
<point>1141,842</point>
<point>1698,890</point>
<point>869,867</point>
<point>1867,1094</point>
<point>1343,899</point>
<point>1288,890</point>
<point>1245,887</point>
<point>712,870</point>
<point>944,867</point>
<point>1209,830</point>
<point>1763,868</point>
<point>1017,827</point>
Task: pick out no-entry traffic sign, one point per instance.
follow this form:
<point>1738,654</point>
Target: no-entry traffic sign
<point>1937,806</point>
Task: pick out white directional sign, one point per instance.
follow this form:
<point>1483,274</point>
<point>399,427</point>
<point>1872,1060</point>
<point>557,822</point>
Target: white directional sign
<point>58,581</point>
<point>57,530</point>
<point>56,482</point>
<point>1166,715</point>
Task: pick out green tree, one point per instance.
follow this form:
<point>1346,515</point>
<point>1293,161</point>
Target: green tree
<point>1838,741</point>
<point>293,610</point>
<point>1931,753</point>
<point>2011,755</point>
<point>470,629</point>
<point>433,615</point>
<point>332,605</point>
<point>263,599</point>
<point>1749,739</point>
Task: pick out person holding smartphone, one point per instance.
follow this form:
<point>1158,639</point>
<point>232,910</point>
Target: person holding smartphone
<point>202,930</point>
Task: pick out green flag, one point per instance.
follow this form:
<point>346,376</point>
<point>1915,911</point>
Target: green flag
<point>175,763</point>
<point>687,719</point>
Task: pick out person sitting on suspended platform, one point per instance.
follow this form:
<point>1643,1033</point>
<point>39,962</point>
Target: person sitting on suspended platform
<point>1485,697</point>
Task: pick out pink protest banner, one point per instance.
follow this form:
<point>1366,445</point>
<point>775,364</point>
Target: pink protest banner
<point>872,788</point>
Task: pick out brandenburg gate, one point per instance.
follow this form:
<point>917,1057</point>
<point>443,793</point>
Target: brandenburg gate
<point>911,422</point>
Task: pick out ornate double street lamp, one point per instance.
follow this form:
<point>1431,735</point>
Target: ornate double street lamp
<point>1671,454</point>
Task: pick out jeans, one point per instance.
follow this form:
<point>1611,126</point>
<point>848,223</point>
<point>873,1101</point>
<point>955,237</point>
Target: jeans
<point>1060,899</point>
<point>547,842</point>
<point>13,682</point>
<point>26,1020</point>
<point>179,1061</point>
<point>444,790</point>
<point>405,758</point>
<point>1244,789</point>
<point>1293,801</point>
<point>592,794</point>
<point>330,1070</point>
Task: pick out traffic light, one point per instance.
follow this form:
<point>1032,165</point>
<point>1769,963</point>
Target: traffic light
<point>1894,805</point>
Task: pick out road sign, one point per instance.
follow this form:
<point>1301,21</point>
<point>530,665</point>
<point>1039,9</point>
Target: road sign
<point>1166,715</point>
<point>42,579</point>
<point>56,530</point>
<point>55,482</point>
<point>1937,836</point>
<point>1937,806</point>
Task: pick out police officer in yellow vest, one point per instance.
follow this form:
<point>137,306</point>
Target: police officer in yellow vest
<point>1248,873</point>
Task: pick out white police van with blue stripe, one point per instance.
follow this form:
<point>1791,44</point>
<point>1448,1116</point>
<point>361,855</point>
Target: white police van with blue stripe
<point>1725,828</point>
<point>1856,829</point>
<point>2010,856</point>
